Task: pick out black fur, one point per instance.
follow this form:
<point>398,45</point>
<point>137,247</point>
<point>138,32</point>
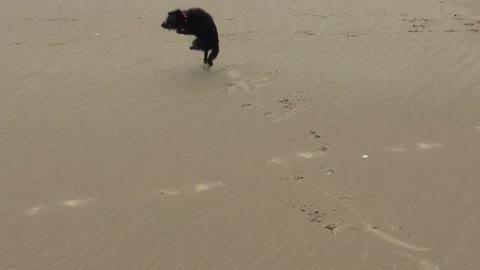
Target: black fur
<point>197,22</point>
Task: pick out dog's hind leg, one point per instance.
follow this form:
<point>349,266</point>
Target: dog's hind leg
<point>212,56</point>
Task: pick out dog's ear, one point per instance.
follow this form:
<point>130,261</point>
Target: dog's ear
<point>176,12</point>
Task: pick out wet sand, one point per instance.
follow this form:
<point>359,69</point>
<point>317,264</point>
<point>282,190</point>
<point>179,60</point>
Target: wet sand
<point>328,135</point>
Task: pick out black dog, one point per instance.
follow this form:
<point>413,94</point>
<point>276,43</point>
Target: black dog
<point>197,22</point>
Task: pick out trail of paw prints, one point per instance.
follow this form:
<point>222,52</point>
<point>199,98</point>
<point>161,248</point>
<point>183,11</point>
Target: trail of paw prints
<point>419,25</point>
<point>319,143</point>
<point>334,219</point>
<point>319,147</point>
<point>331,220</point>
<point>72,203</point>
<point>288,107</point>
<point>473,26</point>
<point>343,217</point>
<point>346,204</point>
<point>464,26</point>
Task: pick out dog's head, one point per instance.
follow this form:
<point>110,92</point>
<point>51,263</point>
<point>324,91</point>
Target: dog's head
<point>175,20</point>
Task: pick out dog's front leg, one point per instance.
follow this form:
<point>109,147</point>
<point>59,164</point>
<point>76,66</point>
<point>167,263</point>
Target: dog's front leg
<point>205,57</point>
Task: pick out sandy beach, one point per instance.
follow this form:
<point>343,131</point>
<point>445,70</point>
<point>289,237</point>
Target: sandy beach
<point>328,135</point>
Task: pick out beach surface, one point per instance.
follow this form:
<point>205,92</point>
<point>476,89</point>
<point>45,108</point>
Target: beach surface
<point>328,135</point>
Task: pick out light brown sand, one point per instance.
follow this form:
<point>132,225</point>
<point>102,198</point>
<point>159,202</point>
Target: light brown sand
<point>118,151</point>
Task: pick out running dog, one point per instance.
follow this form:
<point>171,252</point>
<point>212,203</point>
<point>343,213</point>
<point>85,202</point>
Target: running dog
<point>199,23</point>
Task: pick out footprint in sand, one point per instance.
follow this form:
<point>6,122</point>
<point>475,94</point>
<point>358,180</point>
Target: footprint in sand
<point>264,81</point>
<point>169,192</point>
<point>329,171</point>
<point>36,210</point>
<point>207,186</point>
<point>296,178</point>
<point>77,202</point>
<point>248,85</point>
<point>428,145</point>
<point>457,17</point>
<point>247,105</point>
<point>320,147</point>
<point>290,107</point>
<point>232,87</point>
<point>251,106</point>
<point>353,34</point>
<point>305,33</point>
<point>332,220</point>
<point>419,25</point>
